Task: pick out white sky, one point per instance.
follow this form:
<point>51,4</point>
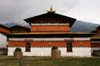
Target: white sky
<point>17,10</point>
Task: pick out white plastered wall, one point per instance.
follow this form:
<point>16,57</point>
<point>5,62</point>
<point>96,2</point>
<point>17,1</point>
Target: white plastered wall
<point>79,51</point>
<point>46,51</point>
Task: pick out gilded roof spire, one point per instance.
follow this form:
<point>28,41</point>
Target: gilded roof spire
<point>51,10</point>
<point>23,24</point>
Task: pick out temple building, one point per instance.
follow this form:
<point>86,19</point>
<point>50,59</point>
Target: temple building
<point>47,30</point>
<point>19,29</point>
<point>95,39</point>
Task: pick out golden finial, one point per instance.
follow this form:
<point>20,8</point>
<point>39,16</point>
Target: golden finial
<point>23,24</point>
<point>51,10</point>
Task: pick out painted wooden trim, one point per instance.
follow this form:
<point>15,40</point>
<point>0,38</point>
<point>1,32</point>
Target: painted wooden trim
<point>49,39</point>
<point>49,31</point>
<point>43,24</point>
<point>57,46</point>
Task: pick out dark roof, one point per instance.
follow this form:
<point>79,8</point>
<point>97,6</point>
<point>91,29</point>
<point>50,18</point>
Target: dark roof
<point>98,27</point>
<point>52,15</point>
<point>48,35</point>
<point>4,26</point>
<point>19,26</point>
<point>52,33</point>
<point>94,31</point>
<point>96,35</point>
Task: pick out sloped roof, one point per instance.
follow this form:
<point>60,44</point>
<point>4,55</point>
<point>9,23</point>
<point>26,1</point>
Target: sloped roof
<point>98,27</point>
<point>52,15</point>
<point>19,26</point>
<point>94,31</point>
<point>48,35</point>
<point>51,33</point>
<point>4,29</point>
<point>4,26</point>
<point>96,36</point>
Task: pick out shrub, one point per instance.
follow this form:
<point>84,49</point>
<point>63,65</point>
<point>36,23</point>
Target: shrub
<point>54,47</point>
<point>18,50</point>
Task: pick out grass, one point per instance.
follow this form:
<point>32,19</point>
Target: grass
<point>46,61</point>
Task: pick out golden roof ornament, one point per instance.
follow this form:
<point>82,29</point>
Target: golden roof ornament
<point>23,24</point>
<point>51,10</point>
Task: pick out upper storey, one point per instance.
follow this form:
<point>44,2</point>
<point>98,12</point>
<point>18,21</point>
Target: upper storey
<point>50,22</point>
<point>50,17</point>
<point>19,29</point>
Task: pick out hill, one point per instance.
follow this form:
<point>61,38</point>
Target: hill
<point>13,24</point>
<point>81,26</point>
<point>78,26</point>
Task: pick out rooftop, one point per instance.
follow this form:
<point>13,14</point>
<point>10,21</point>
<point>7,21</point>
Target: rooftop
<point>50,15</point>
<point>51,33</point>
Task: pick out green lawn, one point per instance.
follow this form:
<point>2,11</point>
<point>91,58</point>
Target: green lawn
<point>46,61</point>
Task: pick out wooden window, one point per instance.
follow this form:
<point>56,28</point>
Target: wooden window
<point>69,47</point>
<point>28,46</point>
<point>50,19</point>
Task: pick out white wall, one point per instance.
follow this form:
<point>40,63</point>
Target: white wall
<point>44,51</point>
<point>3,40</point>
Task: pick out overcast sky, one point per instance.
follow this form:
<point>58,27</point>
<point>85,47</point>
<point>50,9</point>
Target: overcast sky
<point>17,10</point>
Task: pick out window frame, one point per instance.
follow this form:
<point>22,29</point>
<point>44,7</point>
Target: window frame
<point>26,48</point>
<point>69,47</point>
